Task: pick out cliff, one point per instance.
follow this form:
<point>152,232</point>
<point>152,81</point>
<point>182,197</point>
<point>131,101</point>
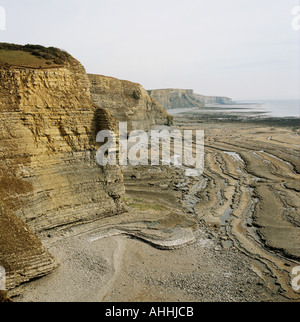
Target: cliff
<point>176,98</point>
<point>218,100</point>
<point>128,102</point>
<point>185,98</point>
<point>48,171</point>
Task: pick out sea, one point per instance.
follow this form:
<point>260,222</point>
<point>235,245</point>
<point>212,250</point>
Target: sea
<point>272,108</point>
<point>283,108</point>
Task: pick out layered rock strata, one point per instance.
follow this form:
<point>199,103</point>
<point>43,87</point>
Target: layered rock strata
<point>176,98</point>
<point>128,102</point>
<point>48,171</point>
<point>249,192</point>
<point>218,100</point>
<point>185,98</point>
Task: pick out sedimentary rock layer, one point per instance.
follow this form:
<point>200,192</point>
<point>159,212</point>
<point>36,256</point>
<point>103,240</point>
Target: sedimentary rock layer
<point>183,98</point>
<point>217,100</point>
<point>48,172</point>
<point>250,191</point>
<point>176,98</point>
<point>128,102</point>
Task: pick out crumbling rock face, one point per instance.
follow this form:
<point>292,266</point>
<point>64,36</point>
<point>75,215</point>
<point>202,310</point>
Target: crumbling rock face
<point>128,102</point>
<point>176,98</point>
<point>48,171</point>
<point>218,100</point>
<point>21,253</point>
<point>185,98</point>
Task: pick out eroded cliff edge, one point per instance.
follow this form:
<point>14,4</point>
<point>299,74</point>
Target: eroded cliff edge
<point>48,171</point>
<point>128,102</point>
<point>172,98</point>
<point>176,98</point>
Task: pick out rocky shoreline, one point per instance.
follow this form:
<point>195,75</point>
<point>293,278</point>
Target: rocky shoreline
<point>242,214</point>
<point>72,230</point>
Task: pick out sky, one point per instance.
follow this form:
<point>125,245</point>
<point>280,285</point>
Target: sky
<point>243,49</point>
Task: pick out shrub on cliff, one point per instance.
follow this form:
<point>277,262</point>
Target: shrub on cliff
<point>50,54</point>
<point>136,95</point>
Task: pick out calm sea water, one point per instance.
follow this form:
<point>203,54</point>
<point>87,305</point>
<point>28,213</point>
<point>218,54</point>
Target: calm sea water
<point>263,108</point>
<point>276,108</point>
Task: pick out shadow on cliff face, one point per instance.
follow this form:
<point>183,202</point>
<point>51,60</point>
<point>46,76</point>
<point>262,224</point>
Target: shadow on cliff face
<point>4,297</point>
<point>102,120</point>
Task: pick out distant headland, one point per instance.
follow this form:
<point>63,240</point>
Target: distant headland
<point>180,98</point>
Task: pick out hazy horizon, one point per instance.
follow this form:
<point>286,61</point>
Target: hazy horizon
<point>239,49</point>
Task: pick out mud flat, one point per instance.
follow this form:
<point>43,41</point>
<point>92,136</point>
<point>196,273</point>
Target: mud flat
<point>232,234</point>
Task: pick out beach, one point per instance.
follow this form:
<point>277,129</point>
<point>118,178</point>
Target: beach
<point>149,153</point>
<point>235,237</point>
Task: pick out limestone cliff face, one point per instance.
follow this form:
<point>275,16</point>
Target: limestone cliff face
<point>218,100</point>
<point>185,98</point>
<point>128,102</point>
<point>48,171</point>
<point>176,98</point>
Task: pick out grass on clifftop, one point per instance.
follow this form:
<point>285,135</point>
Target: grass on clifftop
<point>34,56</point>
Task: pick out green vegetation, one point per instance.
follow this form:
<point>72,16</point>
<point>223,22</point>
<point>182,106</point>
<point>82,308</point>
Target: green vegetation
<point>21,58</point>
<point>34,56</point>
<point>136,95</point>
<point>170,120</point>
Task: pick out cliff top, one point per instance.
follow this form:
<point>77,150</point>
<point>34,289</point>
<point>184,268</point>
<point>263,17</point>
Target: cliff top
<point>32,56</point>
<point>96,76</point>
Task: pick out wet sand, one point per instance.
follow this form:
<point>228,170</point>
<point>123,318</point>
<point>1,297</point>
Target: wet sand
<point>232,234</point>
